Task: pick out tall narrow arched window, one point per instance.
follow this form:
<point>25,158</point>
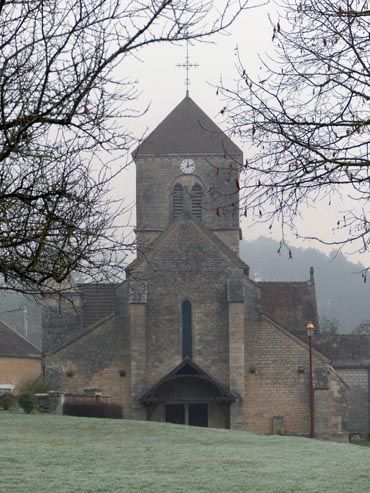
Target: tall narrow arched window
<point>186,329</point>
<point>196,201</point>
<point>177,200</point>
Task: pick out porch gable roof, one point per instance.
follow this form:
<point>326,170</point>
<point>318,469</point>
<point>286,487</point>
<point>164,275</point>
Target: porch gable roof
<point>187,368</point>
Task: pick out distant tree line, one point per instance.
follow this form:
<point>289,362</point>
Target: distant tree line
<point>305,118</point>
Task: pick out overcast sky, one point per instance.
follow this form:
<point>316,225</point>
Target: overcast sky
<point>161,85</point>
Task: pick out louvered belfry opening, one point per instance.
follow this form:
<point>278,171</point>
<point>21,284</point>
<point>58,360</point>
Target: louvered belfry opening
<point>196,201</point>
<point>177,200</point>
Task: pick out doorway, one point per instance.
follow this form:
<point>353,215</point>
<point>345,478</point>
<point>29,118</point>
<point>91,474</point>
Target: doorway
<point>198,415</point>
<point>175,413</point>
<point>189,414</point>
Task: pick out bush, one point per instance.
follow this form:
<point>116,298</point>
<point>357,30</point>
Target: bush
<point>38,386</point>
<point>8,401</point>
<point>92,409</point>
<point>27,401</point>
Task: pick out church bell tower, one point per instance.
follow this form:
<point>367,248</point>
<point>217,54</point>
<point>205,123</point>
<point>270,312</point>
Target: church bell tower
<point>187,165</point>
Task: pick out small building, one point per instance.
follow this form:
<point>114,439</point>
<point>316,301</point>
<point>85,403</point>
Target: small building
<point>350,357</point>
<point>20,360</point>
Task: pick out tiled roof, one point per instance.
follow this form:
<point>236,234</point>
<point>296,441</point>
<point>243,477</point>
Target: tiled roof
<point>14,345</point>
<point>290,304</point>
<point>187,130</point>
<point>345,350</point>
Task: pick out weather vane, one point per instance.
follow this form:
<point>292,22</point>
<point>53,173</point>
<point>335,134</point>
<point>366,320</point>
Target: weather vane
<point>187,66</point>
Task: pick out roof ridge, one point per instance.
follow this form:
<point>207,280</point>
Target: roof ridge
<point>86,332</point>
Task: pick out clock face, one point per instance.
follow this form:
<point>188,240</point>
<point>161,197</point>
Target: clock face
<point>187,166</point>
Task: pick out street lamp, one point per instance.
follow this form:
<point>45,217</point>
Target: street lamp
<point>310,329</point>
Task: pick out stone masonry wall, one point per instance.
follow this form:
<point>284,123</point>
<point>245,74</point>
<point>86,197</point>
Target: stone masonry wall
<point>236,364</point>
<point>331,409</point>
<point>99,359</point>
<point>156,176</point>
<point>277,382</point>
<point>230,238</point>
<point>187,265</point>
<point>137,309</point>
<point>358,398</point>
<point>235,295</point>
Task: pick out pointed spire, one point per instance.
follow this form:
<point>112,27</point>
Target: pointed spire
<point>187,130</point>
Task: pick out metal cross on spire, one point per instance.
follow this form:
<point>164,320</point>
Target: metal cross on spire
<point>187,66</point>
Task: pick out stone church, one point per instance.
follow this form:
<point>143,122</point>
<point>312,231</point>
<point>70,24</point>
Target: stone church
<point>188,337</point>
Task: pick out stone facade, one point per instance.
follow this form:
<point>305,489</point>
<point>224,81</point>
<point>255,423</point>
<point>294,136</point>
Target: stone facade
<point>99,358</point>
<point>156,177</point>
<point>276,382</point>
<point>188,337</point>
<point>350,356</point>
<point>357,380</point>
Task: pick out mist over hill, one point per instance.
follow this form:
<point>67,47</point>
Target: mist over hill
<point>341,294</point>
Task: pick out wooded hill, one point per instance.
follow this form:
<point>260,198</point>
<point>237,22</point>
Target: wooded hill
<point>341,292</point>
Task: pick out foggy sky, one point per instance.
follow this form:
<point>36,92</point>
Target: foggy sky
<point>162,86</point>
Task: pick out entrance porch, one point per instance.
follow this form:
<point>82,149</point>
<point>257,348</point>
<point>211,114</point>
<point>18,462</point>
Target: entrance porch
<point>188,395</point>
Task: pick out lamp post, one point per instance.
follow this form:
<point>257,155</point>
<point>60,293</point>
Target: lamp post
<point>310,329</point>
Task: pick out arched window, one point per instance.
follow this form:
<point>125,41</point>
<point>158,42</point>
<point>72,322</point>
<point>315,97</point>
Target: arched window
<point>186,329</point>
<point>177,200</point>
<point>196,201</point>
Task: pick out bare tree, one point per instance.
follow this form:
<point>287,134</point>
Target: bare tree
<point>329,326</point>
<point>306,117</point>
<point>63,134</point>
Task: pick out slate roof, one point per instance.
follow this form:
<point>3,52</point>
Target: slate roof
<point>100,323</point>
<point>99,300</point>
<point>13,344</point>
<point>290,304</point>
<point>362,328</point>
<point>187,130</point>
<point>345,350</point>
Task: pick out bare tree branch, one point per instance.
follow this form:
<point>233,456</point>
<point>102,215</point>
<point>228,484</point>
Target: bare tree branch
<point>63,136</point>
<point>307,117</point>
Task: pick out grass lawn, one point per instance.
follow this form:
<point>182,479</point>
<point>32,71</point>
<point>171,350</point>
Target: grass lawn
<point>46,453</point>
